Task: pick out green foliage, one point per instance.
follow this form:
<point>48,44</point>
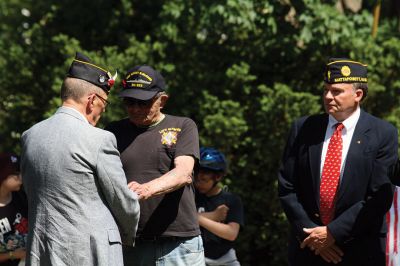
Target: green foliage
<point>243,70</point>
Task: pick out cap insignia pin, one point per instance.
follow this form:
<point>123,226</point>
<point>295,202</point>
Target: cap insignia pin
<point>345,71</point>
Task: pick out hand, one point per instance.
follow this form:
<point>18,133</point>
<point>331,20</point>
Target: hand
<point>19,253</point>
<point>318,238</point>
<point>332,254</point>
<point>133,185</point>
<point>220,213</point>
<point>142,190</point>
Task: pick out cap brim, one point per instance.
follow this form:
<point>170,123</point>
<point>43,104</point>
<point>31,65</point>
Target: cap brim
<point>139,94</point>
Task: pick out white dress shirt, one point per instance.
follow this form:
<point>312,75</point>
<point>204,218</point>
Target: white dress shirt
<point>347,134</point>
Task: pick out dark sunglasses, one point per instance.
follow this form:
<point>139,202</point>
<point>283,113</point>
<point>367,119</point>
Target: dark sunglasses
<point>105,102</point>
<point>129,102</point>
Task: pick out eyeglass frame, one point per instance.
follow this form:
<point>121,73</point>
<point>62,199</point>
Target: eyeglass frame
<point>105,102</point>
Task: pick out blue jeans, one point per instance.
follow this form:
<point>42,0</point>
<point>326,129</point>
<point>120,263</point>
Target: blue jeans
<point>228,259</point>
<point>165,252</point>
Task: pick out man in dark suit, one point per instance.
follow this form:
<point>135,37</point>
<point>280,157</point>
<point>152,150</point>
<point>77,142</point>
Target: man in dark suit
<point>334,184</point>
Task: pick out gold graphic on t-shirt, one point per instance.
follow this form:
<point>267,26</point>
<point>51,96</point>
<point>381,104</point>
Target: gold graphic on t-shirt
<point>169,137</point>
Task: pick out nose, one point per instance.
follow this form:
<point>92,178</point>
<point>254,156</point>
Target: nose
<point>328,94</point>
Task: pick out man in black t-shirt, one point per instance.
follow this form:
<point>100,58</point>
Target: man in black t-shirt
<point>220,212</point>
<point>158,153</point>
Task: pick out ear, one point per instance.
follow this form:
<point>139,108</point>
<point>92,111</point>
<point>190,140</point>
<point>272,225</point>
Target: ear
<point>218,177</point>
<point>90,103</point>
<point>359,95</point>
<point>163,100</point>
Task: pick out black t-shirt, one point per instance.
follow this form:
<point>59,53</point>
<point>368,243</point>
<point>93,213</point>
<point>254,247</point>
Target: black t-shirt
<point>214,246</point>
<point>148,153</point>
<point>13,225</point>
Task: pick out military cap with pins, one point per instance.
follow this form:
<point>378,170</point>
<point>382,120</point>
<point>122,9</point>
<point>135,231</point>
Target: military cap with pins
<point>142,82</point>
<point>343,70</point>
<point>83,68</point>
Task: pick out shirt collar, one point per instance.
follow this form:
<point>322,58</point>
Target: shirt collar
<point>349,123</point>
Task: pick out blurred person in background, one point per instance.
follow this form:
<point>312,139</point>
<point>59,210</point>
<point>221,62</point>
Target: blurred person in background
<point>13,212</point>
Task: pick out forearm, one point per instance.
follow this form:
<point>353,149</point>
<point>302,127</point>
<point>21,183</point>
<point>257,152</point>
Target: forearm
<point>226,231</point>
<point>209,215</point>
<point>179,176</point>
<point>171,181</point>
<point>296,214</point>
<point>4,257</point>
<point>12,255</point>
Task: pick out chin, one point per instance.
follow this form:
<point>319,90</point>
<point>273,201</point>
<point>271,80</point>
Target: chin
<point>141,122</point>
<point>17,188</point>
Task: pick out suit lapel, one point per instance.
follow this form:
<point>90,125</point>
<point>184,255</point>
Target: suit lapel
<point>315,151</point>
<point>356,149</point>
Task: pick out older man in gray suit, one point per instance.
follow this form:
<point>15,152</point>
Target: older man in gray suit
<point>80,206</point>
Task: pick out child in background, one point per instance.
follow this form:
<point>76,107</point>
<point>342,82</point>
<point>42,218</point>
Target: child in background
<point>220,212</point>
<point>13,212</point>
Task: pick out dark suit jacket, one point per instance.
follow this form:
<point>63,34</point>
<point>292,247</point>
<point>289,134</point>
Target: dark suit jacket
<point>395,173</point>
<point>365,193</point>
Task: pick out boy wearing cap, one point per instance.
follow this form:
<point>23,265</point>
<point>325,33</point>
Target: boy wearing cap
<point>13,211</point>
<point>80,204</point>
<point>333,183</point>
<point>220,212</point>
<point>158,152</point>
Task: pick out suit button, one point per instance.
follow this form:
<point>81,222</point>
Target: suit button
<point>316,214</point>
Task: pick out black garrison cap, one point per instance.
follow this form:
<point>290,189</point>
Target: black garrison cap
<point>343,70</point>
<point>83,68</point>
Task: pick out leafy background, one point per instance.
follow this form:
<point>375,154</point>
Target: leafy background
<point>243,70</point>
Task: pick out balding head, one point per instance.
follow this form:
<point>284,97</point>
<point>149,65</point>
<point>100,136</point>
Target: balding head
<point>75,89</point>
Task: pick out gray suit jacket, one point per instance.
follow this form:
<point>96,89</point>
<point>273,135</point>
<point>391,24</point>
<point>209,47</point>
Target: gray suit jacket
<point>79,202</point>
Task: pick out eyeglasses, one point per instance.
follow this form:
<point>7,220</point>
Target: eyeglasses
<point>105,102</point>
<point>129,102</point>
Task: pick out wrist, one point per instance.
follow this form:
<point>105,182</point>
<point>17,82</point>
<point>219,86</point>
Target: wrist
<point>149,191</point>
<point>11,255</point>
<point>201,218</point>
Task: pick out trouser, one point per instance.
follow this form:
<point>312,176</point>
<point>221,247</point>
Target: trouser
<point>165,251</point>
<point>229,259</point>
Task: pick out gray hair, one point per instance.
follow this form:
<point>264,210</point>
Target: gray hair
<point>160,93</point>
<point>361,86</point>
<point>75,89</point>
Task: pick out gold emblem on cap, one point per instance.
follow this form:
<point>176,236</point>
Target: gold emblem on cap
<point>345,71</point>
<point>329,74</point>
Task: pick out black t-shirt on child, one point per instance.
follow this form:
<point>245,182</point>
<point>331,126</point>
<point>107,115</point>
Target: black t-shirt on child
<point>13,226</point>
<point>214,246</point>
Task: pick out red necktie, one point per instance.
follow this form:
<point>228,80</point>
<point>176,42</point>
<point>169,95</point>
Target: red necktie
<point>331,175</point>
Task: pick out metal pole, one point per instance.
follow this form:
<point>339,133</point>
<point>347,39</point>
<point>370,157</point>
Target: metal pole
<point>377,11</point>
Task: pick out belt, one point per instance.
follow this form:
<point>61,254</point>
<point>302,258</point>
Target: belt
<point>161,238</point>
